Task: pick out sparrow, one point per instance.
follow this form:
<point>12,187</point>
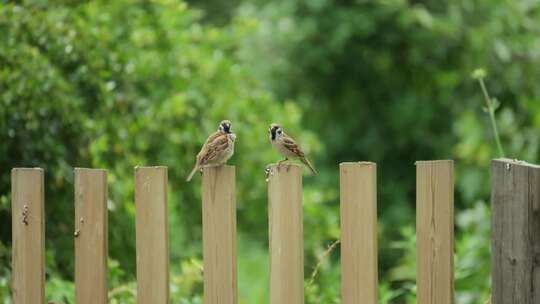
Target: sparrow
<point>217,149</point>
<point>287,147</point>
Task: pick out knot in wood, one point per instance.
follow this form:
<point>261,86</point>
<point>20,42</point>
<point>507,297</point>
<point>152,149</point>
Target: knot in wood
<point>25,213</point>
<point>536,260</point>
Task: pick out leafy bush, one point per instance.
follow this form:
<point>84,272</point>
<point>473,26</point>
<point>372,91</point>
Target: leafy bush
<point>115,84</point>
<point>119,84</point>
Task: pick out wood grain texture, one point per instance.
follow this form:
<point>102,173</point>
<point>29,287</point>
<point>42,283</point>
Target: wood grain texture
<point>286,235</point>
<point>90,236</point>
<point>358,209</point>
<point>435,232</point>
<point>219,235</point>
<point>152,235</point>
<point>28,232</point>
<point>515,204</point>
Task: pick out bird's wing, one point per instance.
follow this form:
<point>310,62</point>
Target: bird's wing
<point>292,146</point>
<point>215,144</point>
<point>212,137</point>
<point>204,148</point>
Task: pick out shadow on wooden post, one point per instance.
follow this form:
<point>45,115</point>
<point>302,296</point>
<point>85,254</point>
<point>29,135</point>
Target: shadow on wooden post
<point>28,229</point>
<point>219,235</point>
<point>358,208</point>
<point>152,236</point>
<point>90,236</point>
<point>286,235</point>
<point>515,225</point>
<point>435,232</point>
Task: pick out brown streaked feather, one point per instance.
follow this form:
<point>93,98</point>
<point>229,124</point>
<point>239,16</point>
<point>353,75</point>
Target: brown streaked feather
<point>213,137</point>
<point>292,146</point>
<point>213,148</point>
<point>214,145</point>
<point>206,144</point>
<point>309,165</point>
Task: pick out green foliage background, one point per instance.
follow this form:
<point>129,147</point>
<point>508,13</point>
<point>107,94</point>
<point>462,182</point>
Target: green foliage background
<point>115,84</point>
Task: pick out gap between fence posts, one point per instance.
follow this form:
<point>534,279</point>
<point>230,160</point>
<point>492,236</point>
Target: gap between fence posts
<point>358,210</point>
<point>219,235</point>
<point>28,235</point>
<point>515,229</point>
<point>90,236</point>
<point>435,232</point>
<point>286,235</point>
<point>152,238</point>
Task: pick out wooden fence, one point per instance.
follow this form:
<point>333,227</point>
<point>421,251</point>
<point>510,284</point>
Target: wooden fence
<point>515,235</point>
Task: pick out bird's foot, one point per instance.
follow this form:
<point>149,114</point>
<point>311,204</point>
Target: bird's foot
<point>279,163</point>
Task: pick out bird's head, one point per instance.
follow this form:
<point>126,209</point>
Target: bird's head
<point>225,126</point>
<point>275,131</point>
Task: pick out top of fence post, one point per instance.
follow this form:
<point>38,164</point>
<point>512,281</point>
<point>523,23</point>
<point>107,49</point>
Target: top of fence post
<point>358,214</point>
<point>435,231</point>
<point>28,233</point>
<point>286,234</point>
<point>152,238</point>
<point>515,225</point>
<point>91,241</point>
<point>219,235</point>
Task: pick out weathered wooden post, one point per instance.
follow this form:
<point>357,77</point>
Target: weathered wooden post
<point>286,235</point>
<point>435,232</point>
<point>358,208</point>
<point>152,235</point>
<point>90,236</point>
<point>515,225</point>
<point>219,235</point>
<point>28,229</point>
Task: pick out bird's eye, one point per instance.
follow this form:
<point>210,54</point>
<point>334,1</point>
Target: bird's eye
<point>279,131</point>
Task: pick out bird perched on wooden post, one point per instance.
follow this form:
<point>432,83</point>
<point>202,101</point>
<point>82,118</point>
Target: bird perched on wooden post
<point>217,149</point>
<point>287,147</point>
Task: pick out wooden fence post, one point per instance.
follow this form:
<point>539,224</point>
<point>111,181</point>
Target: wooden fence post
<point>515,225</point>
<point>152,236</point>
<point>90,236</point>
<point>28,229</point>
<point>286,235</point>
<point>435,232</point>
<point>219,235</point>
<point>358,188</point>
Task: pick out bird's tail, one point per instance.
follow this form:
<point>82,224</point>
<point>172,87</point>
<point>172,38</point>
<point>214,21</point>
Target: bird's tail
<point>192,173</point>
<point>309,165</point>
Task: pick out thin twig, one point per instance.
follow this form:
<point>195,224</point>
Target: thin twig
<point>323,256</point>
<point>491,111</point>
